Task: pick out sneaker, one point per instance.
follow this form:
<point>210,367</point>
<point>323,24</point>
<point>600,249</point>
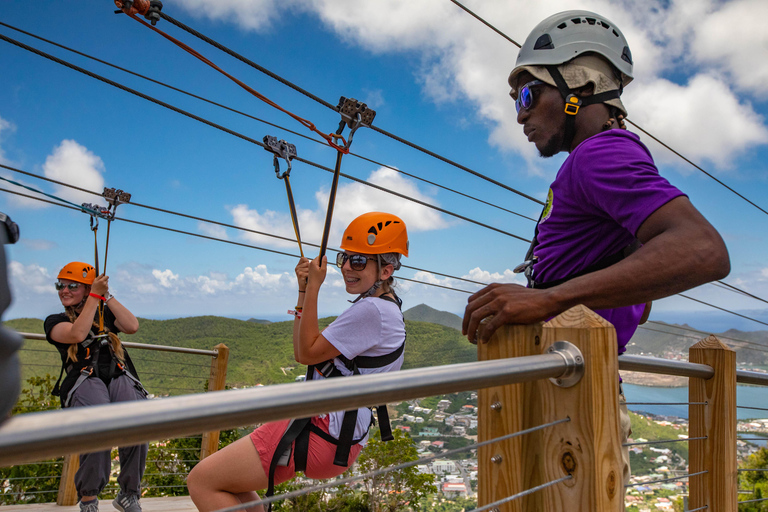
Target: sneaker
<point>89,506</point>
<point>126,503</point>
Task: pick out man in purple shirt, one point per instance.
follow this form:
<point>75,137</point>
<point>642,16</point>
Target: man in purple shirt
<point>607,199</point>
<point>614,235</point>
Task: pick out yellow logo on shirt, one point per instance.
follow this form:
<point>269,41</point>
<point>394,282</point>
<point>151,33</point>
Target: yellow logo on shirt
<point>548,207</point>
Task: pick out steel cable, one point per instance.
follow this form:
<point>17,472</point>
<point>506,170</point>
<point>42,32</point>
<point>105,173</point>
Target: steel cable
<point>334,108</point>
<point>632,122</point>
<point>230,131</point>
<point>521,494</point>
<point>667,479</point>
<point>192,95</point>
<point>189,233</point>
<point>664,441</point>
<point>201,219</point>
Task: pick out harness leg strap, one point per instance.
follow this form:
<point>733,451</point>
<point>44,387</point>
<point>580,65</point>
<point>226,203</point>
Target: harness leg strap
<point>384,427</point>
<point>292,432</point>
<point>346,438</point>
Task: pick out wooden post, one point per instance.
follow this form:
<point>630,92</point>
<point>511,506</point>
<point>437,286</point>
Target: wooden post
<point>67,493</point>
<point>216,382</point>
<point>588,447</point>
<point>717,488</point>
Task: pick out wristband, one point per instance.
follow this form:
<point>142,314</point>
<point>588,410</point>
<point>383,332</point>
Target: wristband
<point>297,314</point>
<point>97,296</point>
<point>302,291</point>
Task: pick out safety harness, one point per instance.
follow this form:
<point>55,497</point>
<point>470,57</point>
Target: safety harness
<point>299,429</point>
<point>88,366</point>
<point>530,259</point>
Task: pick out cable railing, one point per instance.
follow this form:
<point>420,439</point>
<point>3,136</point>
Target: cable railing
<point>169,460</point>
<point>539,398</point>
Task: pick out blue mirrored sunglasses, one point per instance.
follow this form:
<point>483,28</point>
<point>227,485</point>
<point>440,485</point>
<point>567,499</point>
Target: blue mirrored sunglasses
<point>525,96</point>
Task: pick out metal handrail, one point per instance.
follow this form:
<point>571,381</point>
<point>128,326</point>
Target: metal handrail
<point>684,369</point>
<point>43,435</point>
<point>665,366</point>
<point>141,346</point>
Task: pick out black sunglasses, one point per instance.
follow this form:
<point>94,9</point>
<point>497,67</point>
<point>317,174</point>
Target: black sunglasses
<point>72,286</point>
<point>356,261</point>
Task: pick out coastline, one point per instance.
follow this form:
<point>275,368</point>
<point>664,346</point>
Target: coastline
<point>653,380</point>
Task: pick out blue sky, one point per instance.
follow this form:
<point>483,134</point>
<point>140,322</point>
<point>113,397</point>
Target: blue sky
<point>434,75</point>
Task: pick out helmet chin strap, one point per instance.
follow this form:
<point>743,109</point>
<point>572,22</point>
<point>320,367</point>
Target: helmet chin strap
<point>372,290</point>
<point>573,103</point>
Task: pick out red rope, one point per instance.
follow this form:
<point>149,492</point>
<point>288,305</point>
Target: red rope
<point>142,6</point>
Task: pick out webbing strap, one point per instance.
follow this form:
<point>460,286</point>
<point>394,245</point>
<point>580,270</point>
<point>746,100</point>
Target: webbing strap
<point>346,438</point>
<point>385,429</point>
<point>292,432</point>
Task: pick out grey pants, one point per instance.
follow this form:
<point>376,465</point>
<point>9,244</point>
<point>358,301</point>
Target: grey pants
<point>95,467</point>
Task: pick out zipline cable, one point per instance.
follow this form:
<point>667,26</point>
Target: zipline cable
<point>723,309</point>
<point>244,114</point>
<point>629,120</point>
<point>332,107</point>
<point>236,134</point>
<point>764,348</point>
<point>329,137</point>
<point>131,221</point>
<point>209,221</point>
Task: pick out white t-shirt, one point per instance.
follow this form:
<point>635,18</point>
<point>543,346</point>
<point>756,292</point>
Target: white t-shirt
<point>371,327</point>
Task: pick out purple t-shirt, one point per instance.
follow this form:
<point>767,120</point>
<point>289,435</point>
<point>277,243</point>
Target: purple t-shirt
<point>603,192</point>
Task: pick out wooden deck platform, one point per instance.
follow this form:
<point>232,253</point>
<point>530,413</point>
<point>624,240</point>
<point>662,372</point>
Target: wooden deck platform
<point>170,504</point>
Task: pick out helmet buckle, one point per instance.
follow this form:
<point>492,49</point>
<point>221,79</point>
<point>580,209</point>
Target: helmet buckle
<point>572,104</point>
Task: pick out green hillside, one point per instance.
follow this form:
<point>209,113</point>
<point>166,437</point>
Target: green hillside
<point>650,339</point>
<point>424,313</point>
<point>259,353</point>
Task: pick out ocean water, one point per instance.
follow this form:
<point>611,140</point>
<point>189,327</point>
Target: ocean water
<point>749,396</point>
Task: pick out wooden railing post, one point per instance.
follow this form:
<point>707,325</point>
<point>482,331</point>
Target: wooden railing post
<point>587,447</point>
<point>67,493</point>
<point>216,382</point>
<point>716,489</point>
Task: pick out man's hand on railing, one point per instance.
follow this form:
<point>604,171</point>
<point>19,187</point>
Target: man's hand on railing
<point>506,304</point>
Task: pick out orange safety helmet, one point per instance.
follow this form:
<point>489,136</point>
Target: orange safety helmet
<point>376,233</point>
<point>78,272</point>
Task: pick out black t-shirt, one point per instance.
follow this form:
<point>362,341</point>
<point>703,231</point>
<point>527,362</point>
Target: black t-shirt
<point>106,371</point>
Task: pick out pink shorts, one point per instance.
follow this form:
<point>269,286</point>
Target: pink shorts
<point>319,459</point>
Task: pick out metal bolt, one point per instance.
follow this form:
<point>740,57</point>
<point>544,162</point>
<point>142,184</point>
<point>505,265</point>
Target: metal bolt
<point>559,382</point>
<point>496,406</point>
<point>551,349</point>
<point>496,459</point>
<point>579,359</point>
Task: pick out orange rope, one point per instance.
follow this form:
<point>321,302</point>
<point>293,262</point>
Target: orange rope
<point>142,6</point>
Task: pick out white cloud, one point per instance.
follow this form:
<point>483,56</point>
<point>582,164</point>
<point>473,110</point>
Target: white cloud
<point>213,230</point>
<point>462,59</point>
<point>248,14</point>
<point>165,278</point>
<point>484,276</point>
<point>72,163</point>
<point>732,36</point>
<point>30,279</point>
<point>689,120</point>
<point>352,200</point>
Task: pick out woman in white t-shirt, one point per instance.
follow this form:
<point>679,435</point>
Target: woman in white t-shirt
<point>369,337</point>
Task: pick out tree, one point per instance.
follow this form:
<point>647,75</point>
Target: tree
<point>757,481</point>
<point>393,491</point>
